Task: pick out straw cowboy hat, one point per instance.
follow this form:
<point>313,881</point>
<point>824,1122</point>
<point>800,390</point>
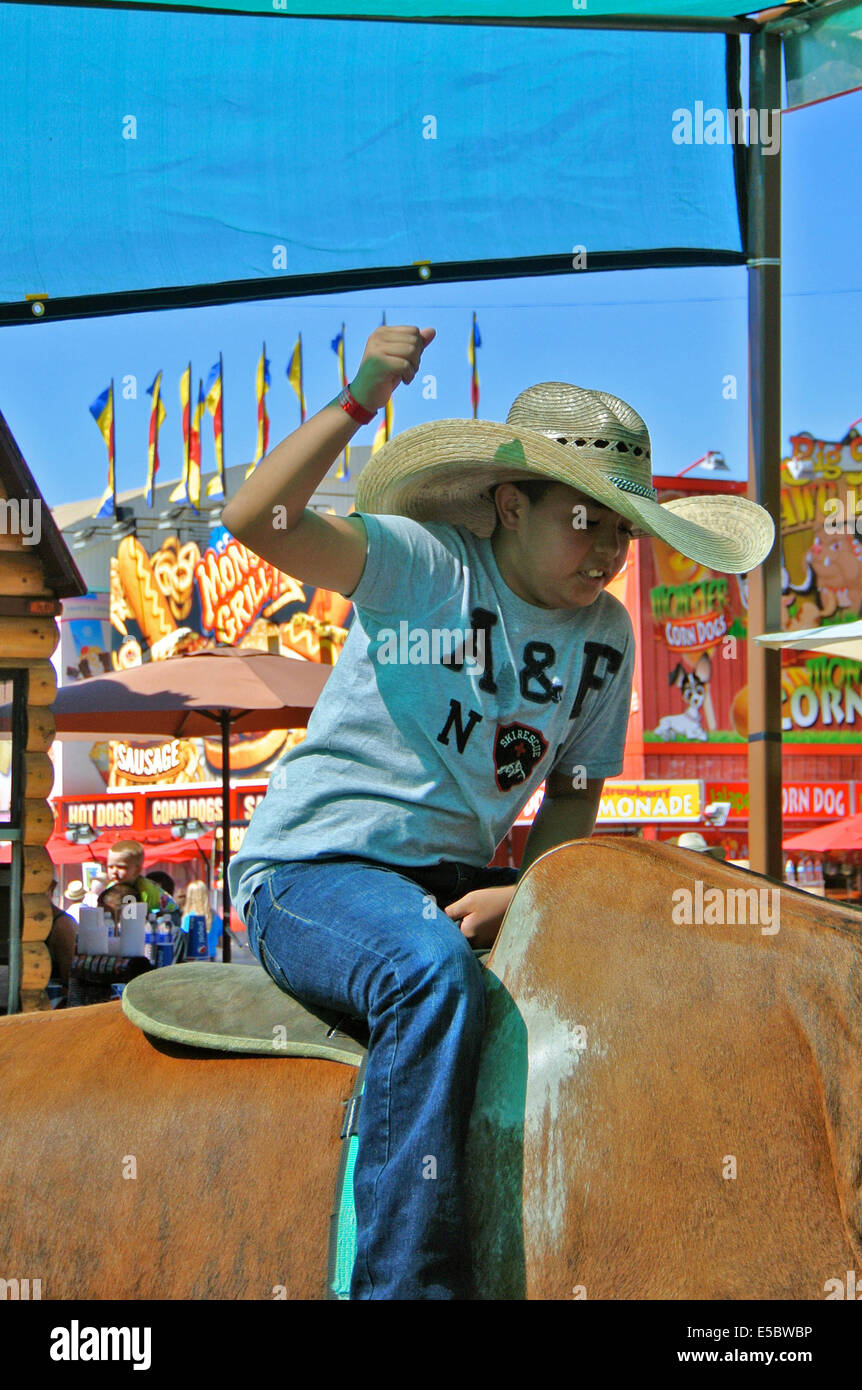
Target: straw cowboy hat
<point>74,891</point>
<point>594,442</point>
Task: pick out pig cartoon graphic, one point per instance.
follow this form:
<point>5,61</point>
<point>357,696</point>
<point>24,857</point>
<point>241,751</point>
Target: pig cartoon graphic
<point>836,561</point>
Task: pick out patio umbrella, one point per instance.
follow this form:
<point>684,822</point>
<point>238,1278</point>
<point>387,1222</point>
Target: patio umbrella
<point>237,689</point>
<point>842,834</point>
<point>841,639</point>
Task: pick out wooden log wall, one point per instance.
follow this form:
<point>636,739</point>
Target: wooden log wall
<point>29,642</point>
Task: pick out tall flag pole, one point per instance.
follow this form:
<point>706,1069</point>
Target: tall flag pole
<point>181,491</point>
<point>384,429</point>
<point>472,347</point>
<point>343,470</point>
<point>263,385</point>
<point>217,486</point>
<point>294,376</point>
<point>195,450</point>
<point>102,411</point>
<point>157,415</point>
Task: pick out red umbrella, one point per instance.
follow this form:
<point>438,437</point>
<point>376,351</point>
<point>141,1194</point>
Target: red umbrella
<point>63,851</point>
<point>842,834</point>
<point>159,846</point>
<point>234,688</point>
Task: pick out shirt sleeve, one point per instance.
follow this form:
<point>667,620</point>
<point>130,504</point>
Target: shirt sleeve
<point>597,742</point>
<point>407,566</point>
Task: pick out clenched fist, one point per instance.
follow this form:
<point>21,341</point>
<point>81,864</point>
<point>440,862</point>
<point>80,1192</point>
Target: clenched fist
<point>391,355</point>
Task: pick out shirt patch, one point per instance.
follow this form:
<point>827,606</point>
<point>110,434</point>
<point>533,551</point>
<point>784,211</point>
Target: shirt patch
<point>517,750</point>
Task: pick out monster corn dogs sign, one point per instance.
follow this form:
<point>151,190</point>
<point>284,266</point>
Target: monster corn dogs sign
<point>181,599</point>
<point>695,669</point>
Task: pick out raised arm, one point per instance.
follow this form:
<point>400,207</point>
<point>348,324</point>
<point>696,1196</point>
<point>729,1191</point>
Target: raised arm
<point>270,515</point>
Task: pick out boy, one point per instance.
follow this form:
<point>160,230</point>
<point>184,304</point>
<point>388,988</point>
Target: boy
<point>416,763</point>
<point>125,862</point>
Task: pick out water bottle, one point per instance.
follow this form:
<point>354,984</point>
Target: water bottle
<point>789,872</point>
<point>150,942</point>
<point>164,942</point>
<point>197,928</point>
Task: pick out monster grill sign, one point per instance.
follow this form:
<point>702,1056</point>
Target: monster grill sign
<point>235,586</point>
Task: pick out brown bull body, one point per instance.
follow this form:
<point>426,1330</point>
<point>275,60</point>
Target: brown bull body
<point>665,1109</point>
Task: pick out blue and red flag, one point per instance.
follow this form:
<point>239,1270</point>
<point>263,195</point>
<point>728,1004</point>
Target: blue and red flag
<point>181,491</point>
<point>102,411</point>
<point>195,450</point>
<point>157,415</point>
<point>263,385</point>
<point>472,348</point>
<point>217,486</point>
<point>337,345</point>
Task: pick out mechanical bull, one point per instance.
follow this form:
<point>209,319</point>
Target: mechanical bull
<point>667,1108</point>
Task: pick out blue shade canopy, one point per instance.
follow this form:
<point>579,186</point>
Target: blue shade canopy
<point>823,57</point>
<point>152,152</point>
<point>704,10</point>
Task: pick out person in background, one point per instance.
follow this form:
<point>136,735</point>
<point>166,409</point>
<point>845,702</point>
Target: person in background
<point>125,864</point>
<point>97,883</point>
<point>74,896</point>
<point>61,944</point>
<point>159,876</point>
<point>694,841</point>
<point>180,896</point>
<point>198,904</point>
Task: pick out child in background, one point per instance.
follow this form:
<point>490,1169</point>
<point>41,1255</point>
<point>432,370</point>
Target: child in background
<point>197,904</point>
<point>125,865</point>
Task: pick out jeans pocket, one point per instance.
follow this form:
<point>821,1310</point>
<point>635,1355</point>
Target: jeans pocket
<point>274,970</point>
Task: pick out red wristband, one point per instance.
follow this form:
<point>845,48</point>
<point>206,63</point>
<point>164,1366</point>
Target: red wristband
<point>354,409</point>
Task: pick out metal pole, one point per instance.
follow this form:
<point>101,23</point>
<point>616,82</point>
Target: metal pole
<point>764,455</point>
<point>225,831</point>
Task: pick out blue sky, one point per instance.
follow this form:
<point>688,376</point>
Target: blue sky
<point>663,340</point>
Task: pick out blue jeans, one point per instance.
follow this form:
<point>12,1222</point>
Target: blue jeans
<point>365,938</point>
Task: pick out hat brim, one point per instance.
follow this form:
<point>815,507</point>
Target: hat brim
<point>442,471</point>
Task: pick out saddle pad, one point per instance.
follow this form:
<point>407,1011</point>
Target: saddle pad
<point>237,1008</point>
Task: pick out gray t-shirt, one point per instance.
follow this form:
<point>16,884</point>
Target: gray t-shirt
<point>451,701</point>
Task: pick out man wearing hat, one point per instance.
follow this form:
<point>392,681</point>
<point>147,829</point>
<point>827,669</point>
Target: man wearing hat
<point>363,876</point>
<point>693,840</point>
<point>74,896</point>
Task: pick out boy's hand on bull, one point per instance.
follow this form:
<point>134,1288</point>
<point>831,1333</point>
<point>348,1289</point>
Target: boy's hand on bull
<point>391,355</point>
<point>482,912</point>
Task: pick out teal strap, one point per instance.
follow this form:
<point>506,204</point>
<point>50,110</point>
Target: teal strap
<point>342,1234</point>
